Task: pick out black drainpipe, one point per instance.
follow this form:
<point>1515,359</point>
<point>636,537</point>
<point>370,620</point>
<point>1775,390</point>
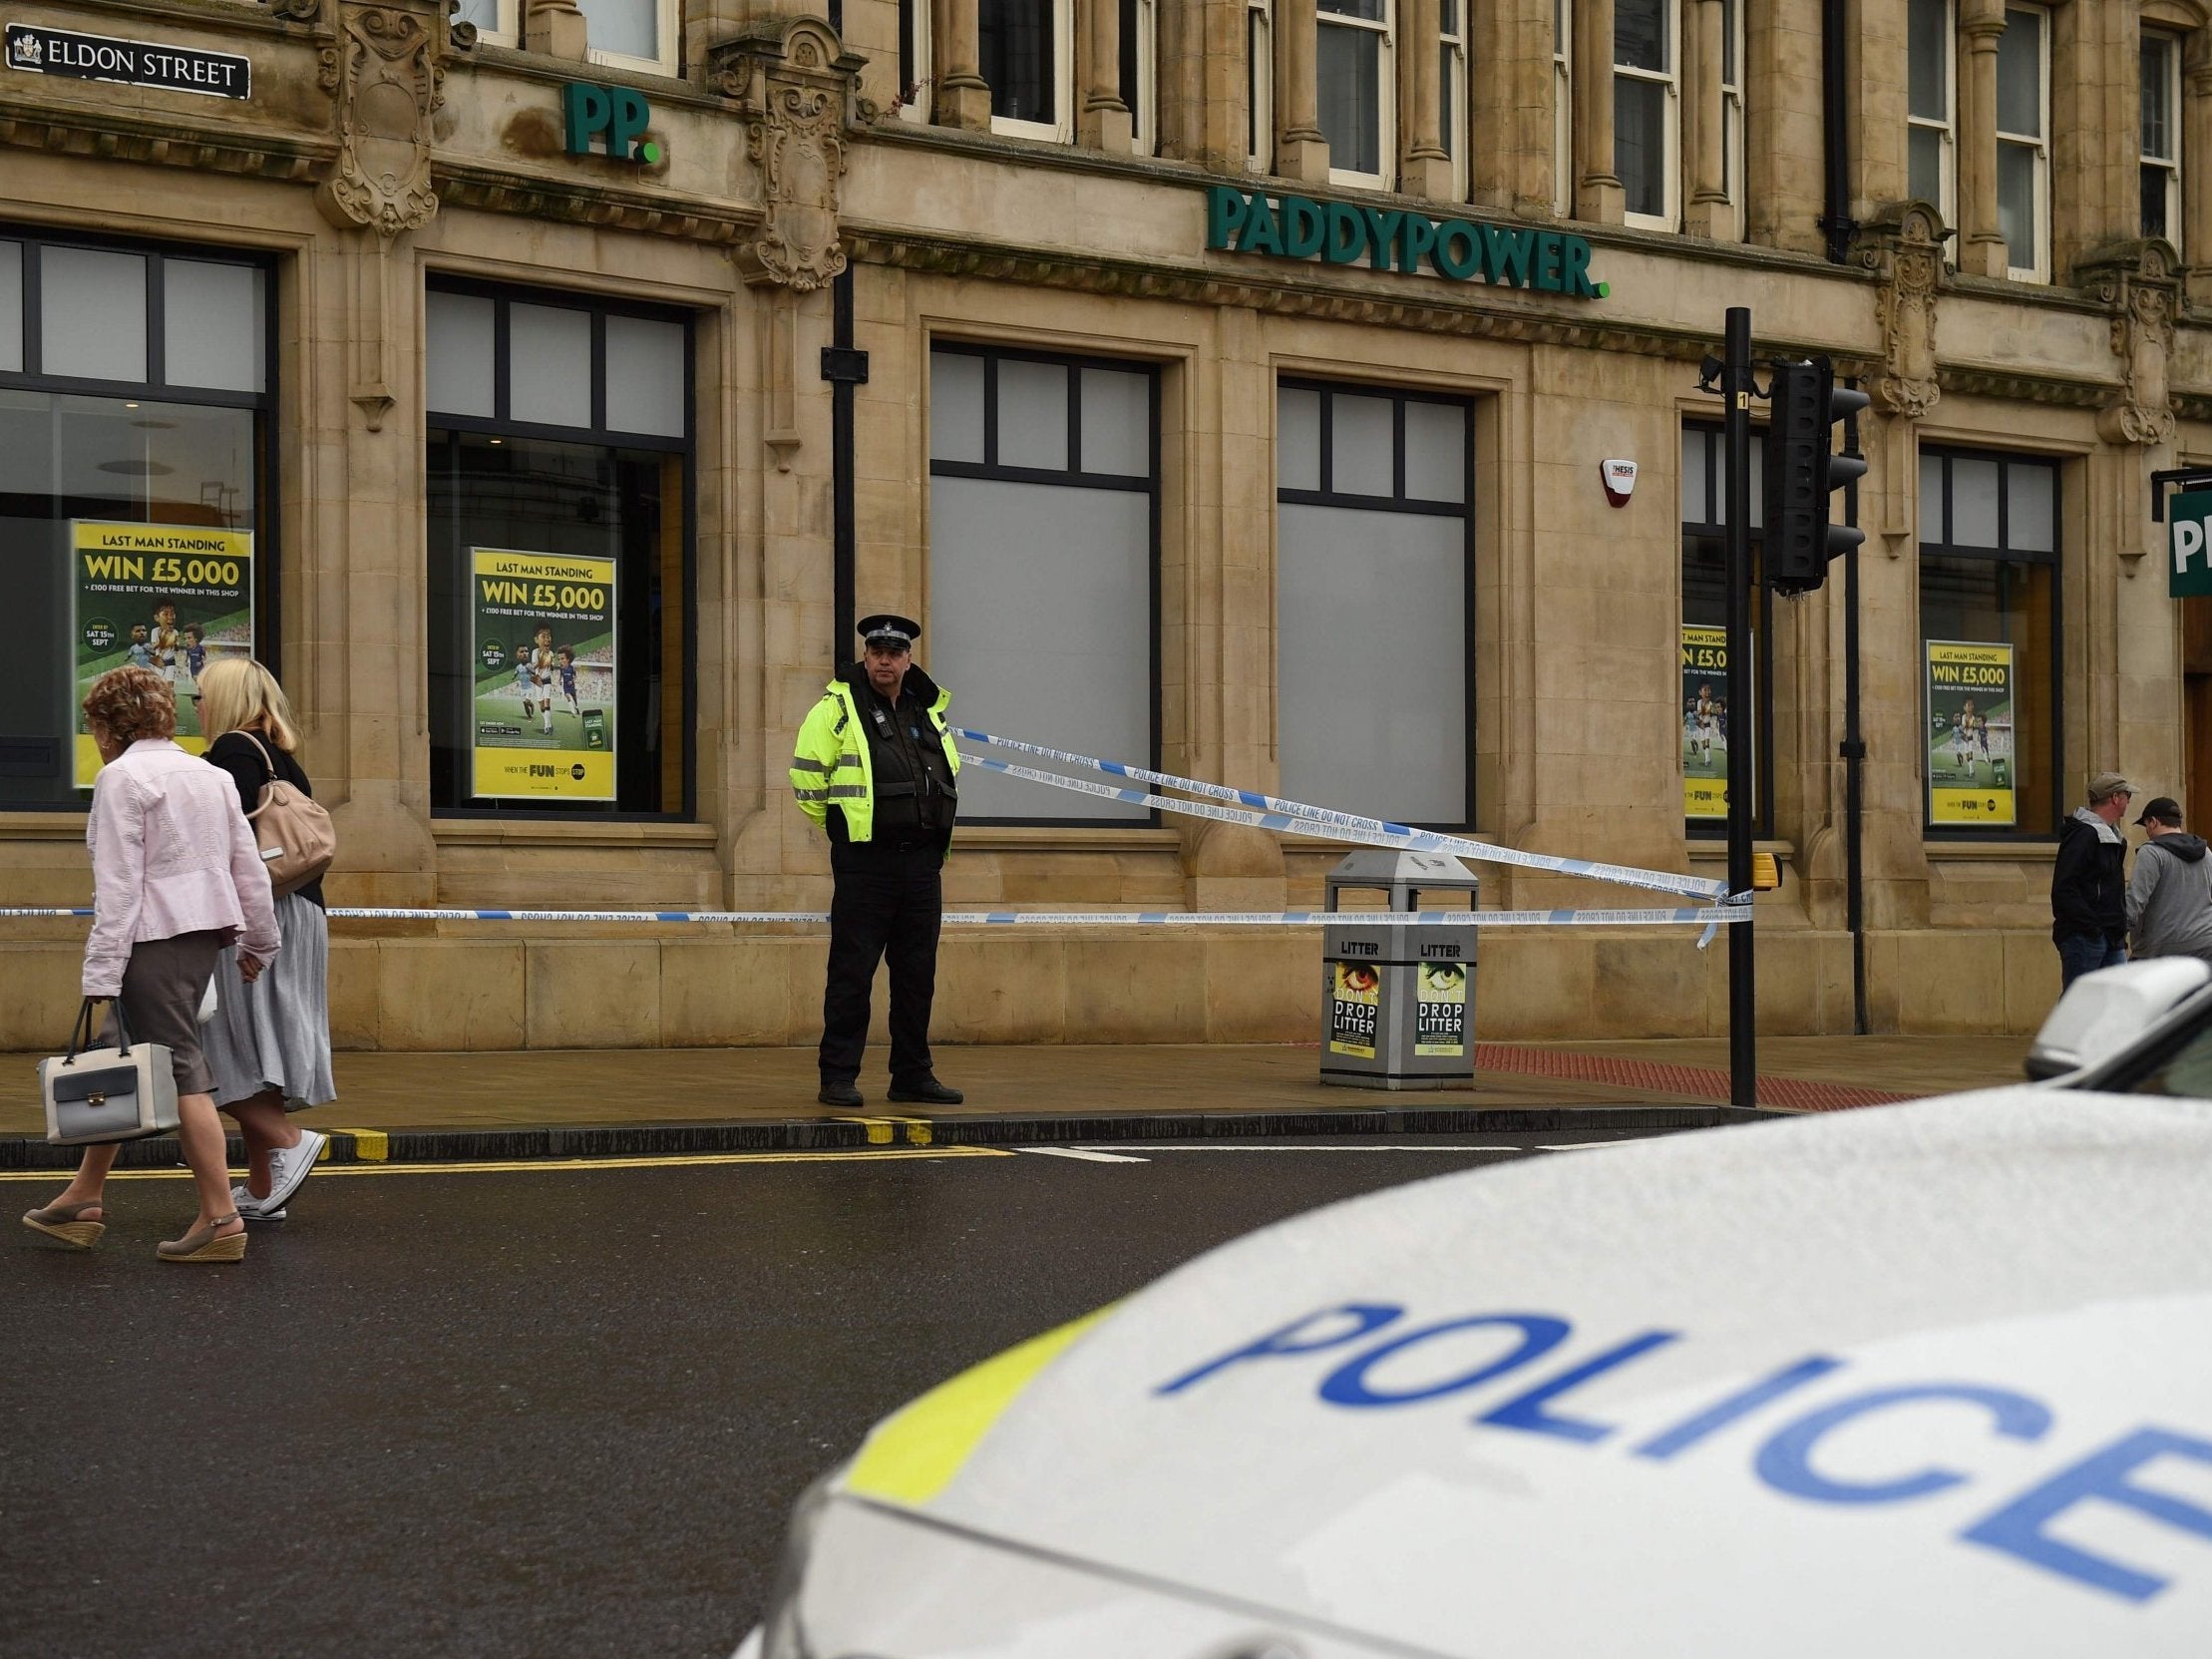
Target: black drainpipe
<point>844,368</point>
<point>1836,220</point>
<point>1841,228</point>
<point>1853,750</point>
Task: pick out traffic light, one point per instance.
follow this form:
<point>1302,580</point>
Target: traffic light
<point>1803,402</point>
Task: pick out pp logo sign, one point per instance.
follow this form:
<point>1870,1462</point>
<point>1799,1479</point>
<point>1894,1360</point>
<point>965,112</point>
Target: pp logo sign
<point>615,116</point>
<point>2189,563</point>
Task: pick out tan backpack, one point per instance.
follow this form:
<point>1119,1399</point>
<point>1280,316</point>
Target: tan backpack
<point>296,837</point>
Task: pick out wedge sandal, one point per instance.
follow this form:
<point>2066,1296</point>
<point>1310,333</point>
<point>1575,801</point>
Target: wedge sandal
<point>61,1221</point>
<point>203,1244</point>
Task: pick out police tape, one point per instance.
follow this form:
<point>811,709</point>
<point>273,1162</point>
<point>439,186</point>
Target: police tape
<point>1272,812</point>
<point>1712,918</point>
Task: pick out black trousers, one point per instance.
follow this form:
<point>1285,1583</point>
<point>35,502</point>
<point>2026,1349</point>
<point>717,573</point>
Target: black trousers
<point>889,900</point>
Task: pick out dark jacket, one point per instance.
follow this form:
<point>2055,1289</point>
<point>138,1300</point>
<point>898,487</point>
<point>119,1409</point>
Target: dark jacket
<point>2088,884</point>
<point>235,753</point>
<point>2169,901</point>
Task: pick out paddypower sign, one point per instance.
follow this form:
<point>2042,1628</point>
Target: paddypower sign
<point>2189,566</point>
<point>616,117</point>
<point>1297,227</point>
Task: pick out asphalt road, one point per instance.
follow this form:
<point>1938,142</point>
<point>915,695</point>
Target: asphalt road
<point>538,1410</point>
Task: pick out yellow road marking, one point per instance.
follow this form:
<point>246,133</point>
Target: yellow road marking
<point>546,1166</point>
<point>882,1131</point>
<point>374,1145</point>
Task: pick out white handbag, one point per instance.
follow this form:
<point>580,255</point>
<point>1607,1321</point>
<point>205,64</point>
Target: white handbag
<point>109,1093</point>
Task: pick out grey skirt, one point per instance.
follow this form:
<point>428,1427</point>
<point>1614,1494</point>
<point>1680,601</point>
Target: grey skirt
<point>276,1032</point>
<point>161,986</point>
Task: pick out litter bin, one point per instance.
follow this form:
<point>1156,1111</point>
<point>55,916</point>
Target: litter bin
<point>1399,998</point>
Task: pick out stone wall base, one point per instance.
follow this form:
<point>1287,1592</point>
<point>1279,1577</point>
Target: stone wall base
<point>491,987</point>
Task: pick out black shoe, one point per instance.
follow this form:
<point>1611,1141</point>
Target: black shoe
<point>927,1091</point>
<point>840,1095</point>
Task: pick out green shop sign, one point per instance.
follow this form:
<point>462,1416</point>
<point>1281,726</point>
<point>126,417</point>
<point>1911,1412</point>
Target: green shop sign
<point>616,116</point>
<point>2189,519</point>
<point>1299,227</point>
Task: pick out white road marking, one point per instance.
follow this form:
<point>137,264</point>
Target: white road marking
<point>1219,1146</point>
<point>1084,1154</point>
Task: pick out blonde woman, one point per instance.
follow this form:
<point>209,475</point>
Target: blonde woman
<point>175,879</point>
<point>269,1041</point>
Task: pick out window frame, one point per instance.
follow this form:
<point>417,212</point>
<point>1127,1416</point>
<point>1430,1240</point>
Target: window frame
<point>1397,501</point>
<point>1139,74</point>
<point>1714,434</point>
<point>1947,172</point>
<point>667,28</point>
<point>1385,30</point>
<point>990,470</point>
<point>1259,86</point>
<point>2039,268</point>
<point>2169,45</point>
<point>2003,554</point>
<point>507,31</point>
<point>1669,217</point>
<point>499,425</point>
<point>1452,92</point>
<point>269,519</point>
<point>1735,151</point>
<point>1562,108</point>
<point>1061,128</point>
<point>916,63</point>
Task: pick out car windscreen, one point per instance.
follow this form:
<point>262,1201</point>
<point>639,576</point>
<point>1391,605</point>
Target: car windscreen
<point>2175,1057</point>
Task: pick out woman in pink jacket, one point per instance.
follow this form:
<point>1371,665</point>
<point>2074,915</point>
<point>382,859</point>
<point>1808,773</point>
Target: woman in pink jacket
<point>176,878</point>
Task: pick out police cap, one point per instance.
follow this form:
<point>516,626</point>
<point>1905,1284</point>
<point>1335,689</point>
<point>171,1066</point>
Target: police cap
<point>887,633</point>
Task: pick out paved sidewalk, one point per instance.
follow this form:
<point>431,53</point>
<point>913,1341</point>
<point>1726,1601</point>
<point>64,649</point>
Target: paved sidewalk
<point>573,1102</point>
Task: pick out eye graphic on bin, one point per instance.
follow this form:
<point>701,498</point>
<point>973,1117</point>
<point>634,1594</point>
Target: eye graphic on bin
<point>1356,977</point>
<point>1443,976</point>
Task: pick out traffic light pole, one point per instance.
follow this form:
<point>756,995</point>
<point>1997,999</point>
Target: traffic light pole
<point>1736,385</point>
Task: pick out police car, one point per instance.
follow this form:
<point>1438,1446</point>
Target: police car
<point>1915,1381</point>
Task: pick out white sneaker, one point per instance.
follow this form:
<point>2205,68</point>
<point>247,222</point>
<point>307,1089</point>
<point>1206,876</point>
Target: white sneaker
<point>253,1208</point>
<point>289,1166</point>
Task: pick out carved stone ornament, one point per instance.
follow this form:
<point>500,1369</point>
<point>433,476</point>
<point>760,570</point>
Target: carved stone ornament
<point>297,11</point>
<point>2138,281</point>
<point>385,71</point>
<point>793,82</point>
<point>1904,245</point>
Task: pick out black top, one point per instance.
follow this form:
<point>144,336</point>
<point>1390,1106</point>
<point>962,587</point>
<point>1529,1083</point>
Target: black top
<point>237,755</point>
<point>2088,884</point>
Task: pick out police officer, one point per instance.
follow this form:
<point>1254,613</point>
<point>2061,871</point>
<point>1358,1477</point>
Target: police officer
<point>876,768</point>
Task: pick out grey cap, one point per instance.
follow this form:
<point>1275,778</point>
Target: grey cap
<point>2105,785</point>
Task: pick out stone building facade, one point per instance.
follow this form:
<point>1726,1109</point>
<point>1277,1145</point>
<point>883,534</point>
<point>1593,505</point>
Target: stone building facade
<point>1222,383</point>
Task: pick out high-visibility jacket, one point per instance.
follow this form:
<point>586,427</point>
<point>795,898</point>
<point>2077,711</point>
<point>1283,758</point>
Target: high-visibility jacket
<point>830,765</point>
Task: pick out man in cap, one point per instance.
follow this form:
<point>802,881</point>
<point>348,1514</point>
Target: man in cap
<point>876,768</point>
<point>2088,883</point>
<point>2170,899</point>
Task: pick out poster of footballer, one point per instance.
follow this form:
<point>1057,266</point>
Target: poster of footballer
<point>1705,722</point>
<point>1970,732</point>
<point>171,598</point>
<point>543,649</point>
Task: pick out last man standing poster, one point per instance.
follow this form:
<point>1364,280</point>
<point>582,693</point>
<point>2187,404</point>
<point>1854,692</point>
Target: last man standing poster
<point>1704,721</point>
<point>169,597</point>
<point>543,649</point>
<point>1970,733</point>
